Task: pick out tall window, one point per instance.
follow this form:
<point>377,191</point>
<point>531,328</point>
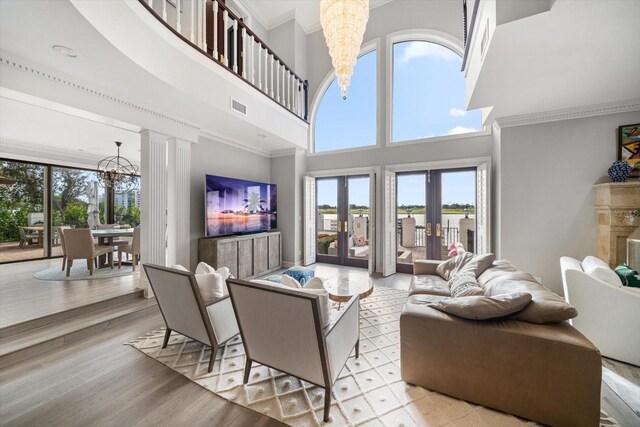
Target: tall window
<point>429,93</point>
<point>349,123</point>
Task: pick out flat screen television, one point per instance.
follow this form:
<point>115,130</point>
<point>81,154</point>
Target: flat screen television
<point>236,206</point>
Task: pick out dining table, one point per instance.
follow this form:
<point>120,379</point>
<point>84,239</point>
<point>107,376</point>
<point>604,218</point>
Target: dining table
<point>105,238</point>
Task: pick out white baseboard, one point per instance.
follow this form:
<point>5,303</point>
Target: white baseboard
<point>289,264</point>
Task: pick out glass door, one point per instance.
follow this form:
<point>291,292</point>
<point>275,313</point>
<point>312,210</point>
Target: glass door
<point>342,222</point>
<point>435,211</point>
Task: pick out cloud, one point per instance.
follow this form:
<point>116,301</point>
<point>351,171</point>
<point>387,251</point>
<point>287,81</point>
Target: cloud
<point>427,50</point>
<point>461,129</point>
<point>457,112</point>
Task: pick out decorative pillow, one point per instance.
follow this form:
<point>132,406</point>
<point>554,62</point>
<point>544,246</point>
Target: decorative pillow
<point>591,262</point>
<point>464,285</point>
<point>628,276</point>
<point>606,274</point>
<point>483,307</point>
<point>220,288</point>
<point>465,262</point>
<point>214,281</point>
<point>325,303</point>
<point>290,282</point>
<point>359,241</point>
<point>497,269</point>
<point>545,306</point>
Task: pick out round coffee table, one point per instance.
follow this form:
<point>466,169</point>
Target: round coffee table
<point>345,285</point>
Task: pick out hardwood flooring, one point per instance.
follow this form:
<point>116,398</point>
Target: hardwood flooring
<point>24,298</point>
<point>100,381</point>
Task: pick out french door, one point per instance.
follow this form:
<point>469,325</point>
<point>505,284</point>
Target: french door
<point>343,220</point>
<point>435,209</point>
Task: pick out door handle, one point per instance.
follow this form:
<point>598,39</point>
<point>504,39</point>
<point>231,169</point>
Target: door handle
<point>345,227</point>
<point>339,226</point>
<point>438,230</point>
<point>429,229</point>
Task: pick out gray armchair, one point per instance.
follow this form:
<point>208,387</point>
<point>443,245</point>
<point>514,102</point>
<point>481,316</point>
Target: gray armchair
<point>190,310</point>
<point>283,328</point>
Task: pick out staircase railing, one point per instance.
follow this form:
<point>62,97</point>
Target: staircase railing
<point>212,28</point>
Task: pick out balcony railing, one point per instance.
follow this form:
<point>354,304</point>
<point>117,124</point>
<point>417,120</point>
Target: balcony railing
<point>213,29</point>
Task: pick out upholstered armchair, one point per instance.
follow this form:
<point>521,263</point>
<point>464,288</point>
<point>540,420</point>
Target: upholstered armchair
<point>78,243</point>
<point>287,329</point>
<point>190,310</point>
<point>608,314</point>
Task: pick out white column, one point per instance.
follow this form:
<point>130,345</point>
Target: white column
<point>178,201</point>
<point>153,162</point>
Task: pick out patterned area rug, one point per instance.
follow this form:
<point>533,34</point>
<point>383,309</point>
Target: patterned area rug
<point>369,391</point>
<point>80,272</point>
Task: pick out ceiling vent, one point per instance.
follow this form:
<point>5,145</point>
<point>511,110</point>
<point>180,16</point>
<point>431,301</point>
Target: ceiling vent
<point>239,107</point>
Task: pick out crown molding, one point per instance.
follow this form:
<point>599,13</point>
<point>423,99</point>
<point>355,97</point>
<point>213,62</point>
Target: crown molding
<point>105,96</point>
<point>233,142</point>
<point>285,152</point>
<point>570,113</point>
<point>23,151</point>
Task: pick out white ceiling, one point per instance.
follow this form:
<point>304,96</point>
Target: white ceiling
<point>272,13</point>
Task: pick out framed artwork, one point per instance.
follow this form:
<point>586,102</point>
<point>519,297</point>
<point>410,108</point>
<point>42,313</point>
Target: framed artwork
<point>629,146</point>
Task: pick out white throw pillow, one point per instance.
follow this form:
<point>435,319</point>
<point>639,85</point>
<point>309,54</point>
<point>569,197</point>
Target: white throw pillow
<point>290,282</point>
<point>220,288</point>
<point>324,302</point>
<point>599,269</point>
<point>591,262</point>
<point>179,267</point>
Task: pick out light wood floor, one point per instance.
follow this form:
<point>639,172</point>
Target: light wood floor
<point>101,381</point>
<point>24,298</point>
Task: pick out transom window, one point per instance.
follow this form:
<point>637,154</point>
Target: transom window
<point>350,123</point>
<point>429,93</point>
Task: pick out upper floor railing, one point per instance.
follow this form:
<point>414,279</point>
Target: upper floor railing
<point>213,29</point>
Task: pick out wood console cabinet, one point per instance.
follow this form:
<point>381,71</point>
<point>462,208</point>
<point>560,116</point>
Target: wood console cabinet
<point>246,256</point>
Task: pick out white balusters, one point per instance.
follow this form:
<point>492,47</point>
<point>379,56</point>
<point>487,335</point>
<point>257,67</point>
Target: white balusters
<point>203,6</point>
<point>192,38</point>
<point>259,68</point>
<point>253,61</point>
<point>278,81</point>
<point>245,48</point>
<point>272,73</point>
<point>164,10</point>
<point>150,3</point>
<point>225,37</point>
<point>178,24</point>
<point>266,75</point>
<point>215,31</point>
<point>236,47</point>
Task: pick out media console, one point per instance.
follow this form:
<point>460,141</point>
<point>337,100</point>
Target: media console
<point>246,256</point>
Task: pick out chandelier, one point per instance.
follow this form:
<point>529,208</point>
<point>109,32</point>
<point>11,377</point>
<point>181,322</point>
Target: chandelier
<point>117,173</point>
<point>343,23</point>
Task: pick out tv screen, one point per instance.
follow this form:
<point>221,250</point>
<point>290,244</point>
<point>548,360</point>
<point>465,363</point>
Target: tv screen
<point>236,206</point>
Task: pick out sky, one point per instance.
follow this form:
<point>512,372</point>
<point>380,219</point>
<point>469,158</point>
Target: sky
<point>428,100</point>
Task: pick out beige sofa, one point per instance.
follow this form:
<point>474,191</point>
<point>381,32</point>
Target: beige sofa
<point>549,373</point>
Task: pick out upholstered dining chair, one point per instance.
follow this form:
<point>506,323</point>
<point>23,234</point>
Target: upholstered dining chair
<point>116,242</point>
<point>26,238</point>
<point>79,244</point>
<point>282,328</point>
<point>190,310</point>
<point>60,233</point>
<point>132,248</point>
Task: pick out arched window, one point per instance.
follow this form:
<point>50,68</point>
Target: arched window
<point>429,93</point>
<point>349,123</point>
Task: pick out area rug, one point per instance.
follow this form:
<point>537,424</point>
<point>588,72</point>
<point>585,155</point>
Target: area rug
<point>368,392</point>
<point>80,272</point>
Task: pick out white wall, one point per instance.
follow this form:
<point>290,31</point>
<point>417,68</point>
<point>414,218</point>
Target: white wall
<point>216,158</point>
<point>545,199</point>
<point>289,41</point>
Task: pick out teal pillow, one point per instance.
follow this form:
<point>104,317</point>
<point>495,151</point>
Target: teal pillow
<point>628,276</point>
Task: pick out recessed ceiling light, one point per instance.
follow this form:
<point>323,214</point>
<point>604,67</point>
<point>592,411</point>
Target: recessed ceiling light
<point>66,51</point>
<point>262,135</point>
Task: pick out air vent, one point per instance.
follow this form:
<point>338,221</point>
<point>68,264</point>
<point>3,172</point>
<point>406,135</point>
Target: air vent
<point>238,106</point>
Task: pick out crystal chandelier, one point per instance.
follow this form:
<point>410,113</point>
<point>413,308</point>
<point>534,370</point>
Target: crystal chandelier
<point>343,24</point>
<point>117,173</point>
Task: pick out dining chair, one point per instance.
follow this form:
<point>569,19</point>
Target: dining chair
<point>79,245</point>
<point>118,242</point>
<point>132,248</point>
<point>186,310</point>
<point>282,328</point>
<point>60,233</point>
<point>26,238</point>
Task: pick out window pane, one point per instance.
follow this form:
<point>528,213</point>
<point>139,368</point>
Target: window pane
<point>349,123</point>
<point>127,207</point>
<point>429,93</point>
<point>22,218</point>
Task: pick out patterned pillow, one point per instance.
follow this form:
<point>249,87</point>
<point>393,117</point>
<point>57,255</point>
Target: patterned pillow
<point>359,241</point>
<point>464,285</point>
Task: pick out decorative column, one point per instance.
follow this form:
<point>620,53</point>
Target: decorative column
<point>153,162</point>
<point>614,203</point>
<point>178,197</point>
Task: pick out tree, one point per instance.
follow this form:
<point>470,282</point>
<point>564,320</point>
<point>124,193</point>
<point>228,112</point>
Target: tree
<point>68,185</point>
